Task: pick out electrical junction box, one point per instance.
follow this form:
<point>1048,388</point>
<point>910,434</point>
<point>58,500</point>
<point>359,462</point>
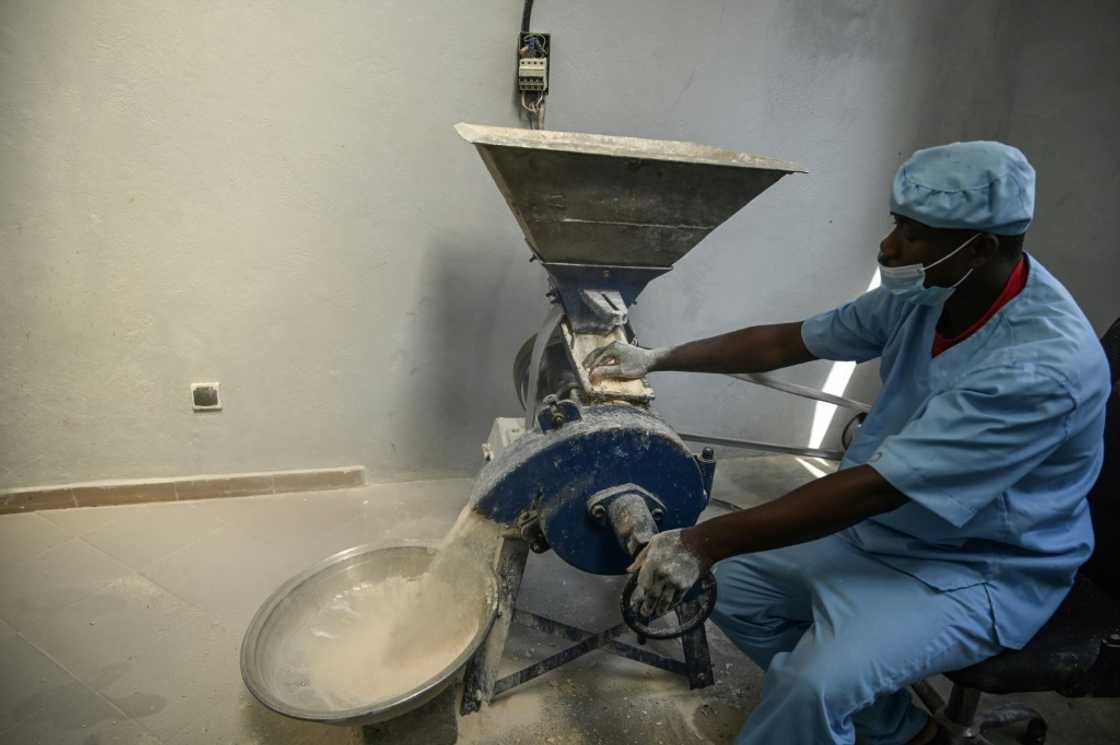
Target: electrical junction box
<point>533,50</point>
<point>532,74</point>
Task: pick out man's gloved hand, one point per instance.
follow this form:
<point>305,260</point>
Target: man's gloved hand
<point>667,568</point>
<point>623,361</point>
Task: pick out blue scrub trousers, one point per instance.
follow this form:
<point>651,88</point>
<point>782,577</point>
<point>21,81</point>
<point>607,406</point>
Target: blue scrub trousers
<point>840,635</point>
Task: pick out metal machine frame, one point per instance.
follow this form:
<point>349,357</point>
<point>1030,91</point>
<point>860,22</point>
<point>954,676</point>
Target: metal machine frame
<point>480,682</point>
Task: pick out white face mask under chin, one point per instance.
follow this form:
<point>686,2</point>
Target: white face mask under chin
<point>909,282</point>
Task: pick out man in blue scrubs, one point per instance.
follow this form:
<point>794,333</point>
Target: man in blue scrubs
<point>958,518</point>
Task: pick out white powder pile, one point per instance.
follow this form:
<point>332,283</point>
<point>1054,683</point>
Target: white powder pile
<point>468,547</point>
<point>364,661</point>
<point>378,640</point>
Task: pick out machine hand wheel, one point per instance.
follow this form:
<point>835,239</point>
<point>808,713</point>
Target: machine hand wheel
<point>703,591</point>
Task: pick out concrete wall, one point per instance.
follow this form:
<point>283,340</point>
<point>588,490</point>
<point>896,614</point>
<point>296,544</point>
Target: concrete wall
<point>1065,109</point>
<point>271,195</point>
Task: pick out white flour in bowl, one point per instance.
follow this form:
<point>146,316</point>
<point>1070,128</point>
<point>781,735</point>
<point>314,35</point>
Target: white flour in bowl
<point>364,661</point>
<point>379,640</point>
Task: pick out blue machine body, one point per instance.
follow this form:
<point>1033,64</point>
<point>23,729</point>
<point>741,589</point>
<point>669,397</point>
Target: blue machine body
<point>552,474</point>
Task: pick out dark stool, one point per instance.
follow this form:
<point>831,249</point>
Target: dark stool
<point>1077,653</point>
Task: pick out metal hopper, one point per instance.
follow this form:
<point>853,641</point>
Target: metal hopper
<point>622,201</point>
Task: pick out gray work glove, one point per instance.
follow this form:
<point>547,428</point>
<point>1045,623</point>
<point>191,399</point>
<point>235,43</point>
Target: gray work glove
<point>623,361</point>
<point>667,569</point>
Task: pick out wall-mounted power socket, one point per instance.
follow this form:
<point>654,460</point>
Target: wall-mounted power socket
<point>206,396</point>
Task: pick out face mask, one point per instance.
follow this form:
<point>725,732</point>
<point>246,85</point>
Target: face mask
<point>909,282</point>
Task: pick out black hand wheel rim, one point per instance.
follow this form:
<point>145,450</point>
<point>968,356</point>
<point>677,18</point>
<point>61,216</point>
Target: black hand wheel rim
<point>703,591</point>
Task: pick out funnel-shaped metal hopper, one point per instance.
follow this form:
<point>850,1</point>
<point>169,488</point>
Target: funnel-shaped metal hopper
<point>620,201</point>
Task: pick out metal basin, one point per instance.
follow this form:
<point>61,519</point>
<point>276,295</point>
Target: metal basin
<point>274,647</point>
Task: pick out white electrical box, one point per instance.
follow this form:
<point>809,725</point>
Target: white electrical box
<point>532,74</point>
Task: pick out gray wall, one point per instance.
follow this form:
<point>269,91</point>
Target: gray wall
<point>1065,111</point>
<point>272,196</point>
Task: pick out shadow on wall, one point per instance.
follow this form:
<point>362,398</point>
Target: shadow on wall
<point>465,340</point>
<point>849,89</point>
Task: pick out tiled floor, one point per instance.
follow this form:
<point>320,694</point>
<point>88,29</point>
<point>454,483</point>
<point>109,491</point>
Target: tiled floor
<point>122,625</point>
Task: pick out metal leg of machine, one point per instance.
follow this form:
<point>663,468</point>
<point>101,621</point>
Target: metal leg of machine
<point>482,671</point>
<point>627,510</point>
<point>696,666</point>
<point>697,657</point>
<point>605,640</point>
<point>480,682</point>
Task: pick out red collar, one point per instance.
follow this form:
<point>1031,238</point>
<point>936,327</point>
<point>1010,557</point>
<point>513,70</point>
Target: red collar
<point>1015,284</point>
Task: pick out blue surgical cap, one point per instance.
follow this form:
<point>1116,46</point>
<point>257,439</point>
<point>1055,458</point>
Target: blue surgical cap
<point>982,186</point>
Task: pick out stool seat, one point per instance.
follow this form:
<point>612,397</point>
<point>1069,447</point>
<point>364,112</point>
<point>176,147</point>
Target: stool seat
<point>1059,654</point>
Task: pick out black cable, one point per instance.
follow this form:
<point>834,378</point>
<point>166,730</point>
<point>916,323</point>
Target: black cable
<point>848,434</point>
<point>526,15</point>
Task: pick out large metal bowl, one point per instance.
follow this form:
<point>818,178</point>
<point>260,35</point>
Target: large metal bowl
<point>285,619</point>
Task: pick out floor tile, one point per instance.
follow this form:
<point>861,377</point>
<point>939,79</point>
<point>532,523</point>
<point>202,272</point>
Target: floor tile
<point>418,510</point>
<point>110,626</point>
<point>226,574</point>
<point>285,517</point>
<point>149,532</point>
<point>303,529</point>
<point>81,520</point>
<point>234,717</point>
<point>377,530</point>
<point>28,677</point>
<point>170,679</point>
<point>23,536</point>
<point>66,574</point>
<point>65,712</point>
<point>420,495</point>
<point>383,526</point>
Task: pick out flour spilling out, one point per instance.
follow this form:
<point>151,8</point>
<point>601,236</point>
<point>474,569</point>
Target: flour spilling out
<point>376,640</point>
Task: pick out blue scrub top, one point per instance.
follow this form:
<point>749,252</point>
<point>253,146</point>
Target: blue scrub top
<point>995,441</point>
